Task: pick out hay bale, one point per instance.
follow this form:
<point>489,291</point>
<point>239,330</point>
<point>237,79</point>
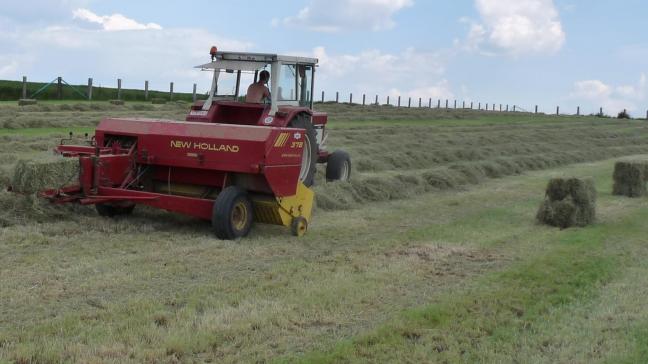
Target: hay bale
<point>158,101</point>
<point>24,102</point>
<point>568,202</point>
<point>117,102</point>
<point>32,177</point>
<point>630,178</point>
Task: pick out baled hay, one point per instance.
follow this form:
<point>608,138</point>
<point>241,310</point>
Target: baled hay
<point>32,177</point>
<point>568,202</point>
<point>117,102</point>
<point>630,178</point>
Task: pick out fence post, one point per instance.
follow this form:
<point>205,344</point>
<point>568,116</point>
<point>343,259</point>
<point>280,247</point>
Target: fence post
<point>376,99</point>
<point>536,109</point>
<point>479,107</point>
<point>557,110</point>
<point>507,108</point>
<point>170,90</point>
<point>455,104</point>
<point>351,98</point>
<point>471,105</point>
<point>146,90</point>
<point>500,107</point>
<point>399,99</point>
<point>486,106</point>
<point>59,87</point>
<point>430,102</point>
<point>90,89</point>
<point>337,97</point>
<point>463,105</point>
<point>24,88</point>
<point>601,112</point>
<point>322,96</point>
<point>578,111</point>
<point>514,108</point>
<point>119,89</point>
<point>364,99</point>
<point>439,104</point>
<point>387,100</point>
<point>409,102</point>
<point>420,102</point>
<point>193,96</point>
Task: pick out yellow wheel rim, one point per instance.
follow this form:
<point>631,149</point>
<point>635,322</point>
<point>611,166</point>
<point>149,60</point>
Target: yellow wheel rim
<point>239,216</point>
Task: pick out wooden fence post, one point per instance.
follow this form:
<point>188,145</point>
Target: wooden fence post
<point>420,102</point>
<point>337,97</point>
<point>430,103</point>
<point>90,89</point>
<point>387,100</point>
<point>59,87</point>
<point>463,104</point>
<point>439,104</point>
<point>479,107</point>
<point>193,96</point>
<point>536,109</point>
<point>24,87</point>
<point>399,98</point>
<point>447,104</point>
<point>455,104</point>
<point>507,108</point>
<point>409,102</point>
<point>601,112</point>
<point>171,91</point>
<point>578,111</point>
<point>119,89</point>
<point>322,96</point>
<point>364,99</point>
<point>146,86</point>
<point>514,108</point>
<point>557,110</point>
<point>471,105</point>
<point>351,98</point>
<point>500,107</point>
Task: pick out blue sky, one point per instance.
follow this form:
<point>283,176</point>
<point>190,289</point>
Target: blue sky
<point>524,52</point>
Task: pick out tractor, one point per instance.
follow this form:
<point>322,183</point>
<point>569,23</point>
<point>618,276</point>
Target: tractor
<point>230,162</point>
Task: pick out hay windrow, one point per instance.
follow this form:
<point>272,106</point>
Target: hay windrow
<point>568,202</point>
<point>31,177</point>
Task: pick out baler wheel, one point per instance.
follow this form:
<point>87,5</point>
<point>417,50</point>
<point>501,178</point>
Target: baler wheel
<point>299,226</point>
<point>107,210</point>
<point>311,151</point>
<point>232,214</point>
<point>338,166</point>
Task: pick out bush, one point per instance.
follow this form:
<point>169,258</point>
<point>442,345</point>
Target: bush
<point>623,115</point>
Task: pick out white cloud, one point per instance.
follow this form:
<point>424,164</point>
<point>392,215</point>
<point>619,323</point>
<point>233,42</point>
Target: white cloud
<point>412,73</point>
<point>76,53</point>
<point>612,98</point>
<point>113,22</point>
<point>517,27</point>
<point>338,15</point>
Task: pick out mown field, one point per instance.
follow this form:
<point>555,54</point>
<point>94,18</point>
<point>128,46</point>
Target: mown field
<point>430,254</point>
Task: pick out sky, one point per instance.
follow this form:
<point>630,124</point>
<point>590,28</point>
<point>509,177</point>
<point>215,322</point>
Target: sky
<point>550,53</point>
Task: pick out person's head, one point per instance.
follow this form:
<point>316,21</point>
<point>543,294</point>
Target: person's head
<point>264,76</point>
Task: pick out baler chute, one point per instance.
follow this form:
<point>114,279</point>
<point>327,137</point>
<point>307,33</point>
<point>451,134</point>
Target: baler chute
<point>228,174</point>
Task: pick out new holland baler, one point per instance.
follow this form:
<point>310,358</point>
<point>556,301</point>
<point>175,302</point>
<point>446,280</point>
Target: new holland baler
<point>228,174</point>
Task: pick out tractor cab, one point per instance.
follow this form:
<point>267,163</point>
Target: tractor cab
<point>291,89</point>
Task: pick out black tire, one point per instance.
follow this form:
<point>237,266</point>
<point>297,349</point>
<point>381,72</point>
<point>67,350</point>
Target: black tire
<point>338,166</point>
<point>232,214</point>
<point>302,121</point>
<point>298,226</point>
<point>109,210</point>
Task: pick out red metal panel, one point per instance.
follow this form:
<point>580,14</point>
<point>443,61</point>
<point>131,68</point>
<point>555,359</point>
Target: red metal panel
<point>196,207</point>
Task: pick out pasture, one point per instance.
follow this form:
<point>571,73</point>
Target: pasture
<point>430,254</point>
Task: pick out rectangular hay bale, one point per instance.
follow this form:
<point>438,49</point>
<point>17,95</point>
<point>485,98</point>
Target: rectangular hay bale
<point>32,177</point>
<point>24,102</point>
<point>117,102</point>
<point>568,202</point>
<point>630,178</point>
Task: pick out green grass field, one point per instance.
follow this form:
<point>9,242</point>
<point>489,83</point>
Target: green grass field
<point>430,254</point>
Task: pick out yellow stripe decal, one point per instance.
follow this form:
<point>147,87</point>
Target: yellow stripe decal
<point>281,139</point>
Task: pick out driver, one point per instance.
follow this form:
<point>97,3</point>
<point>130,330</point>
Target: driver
<point>258,91</point>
